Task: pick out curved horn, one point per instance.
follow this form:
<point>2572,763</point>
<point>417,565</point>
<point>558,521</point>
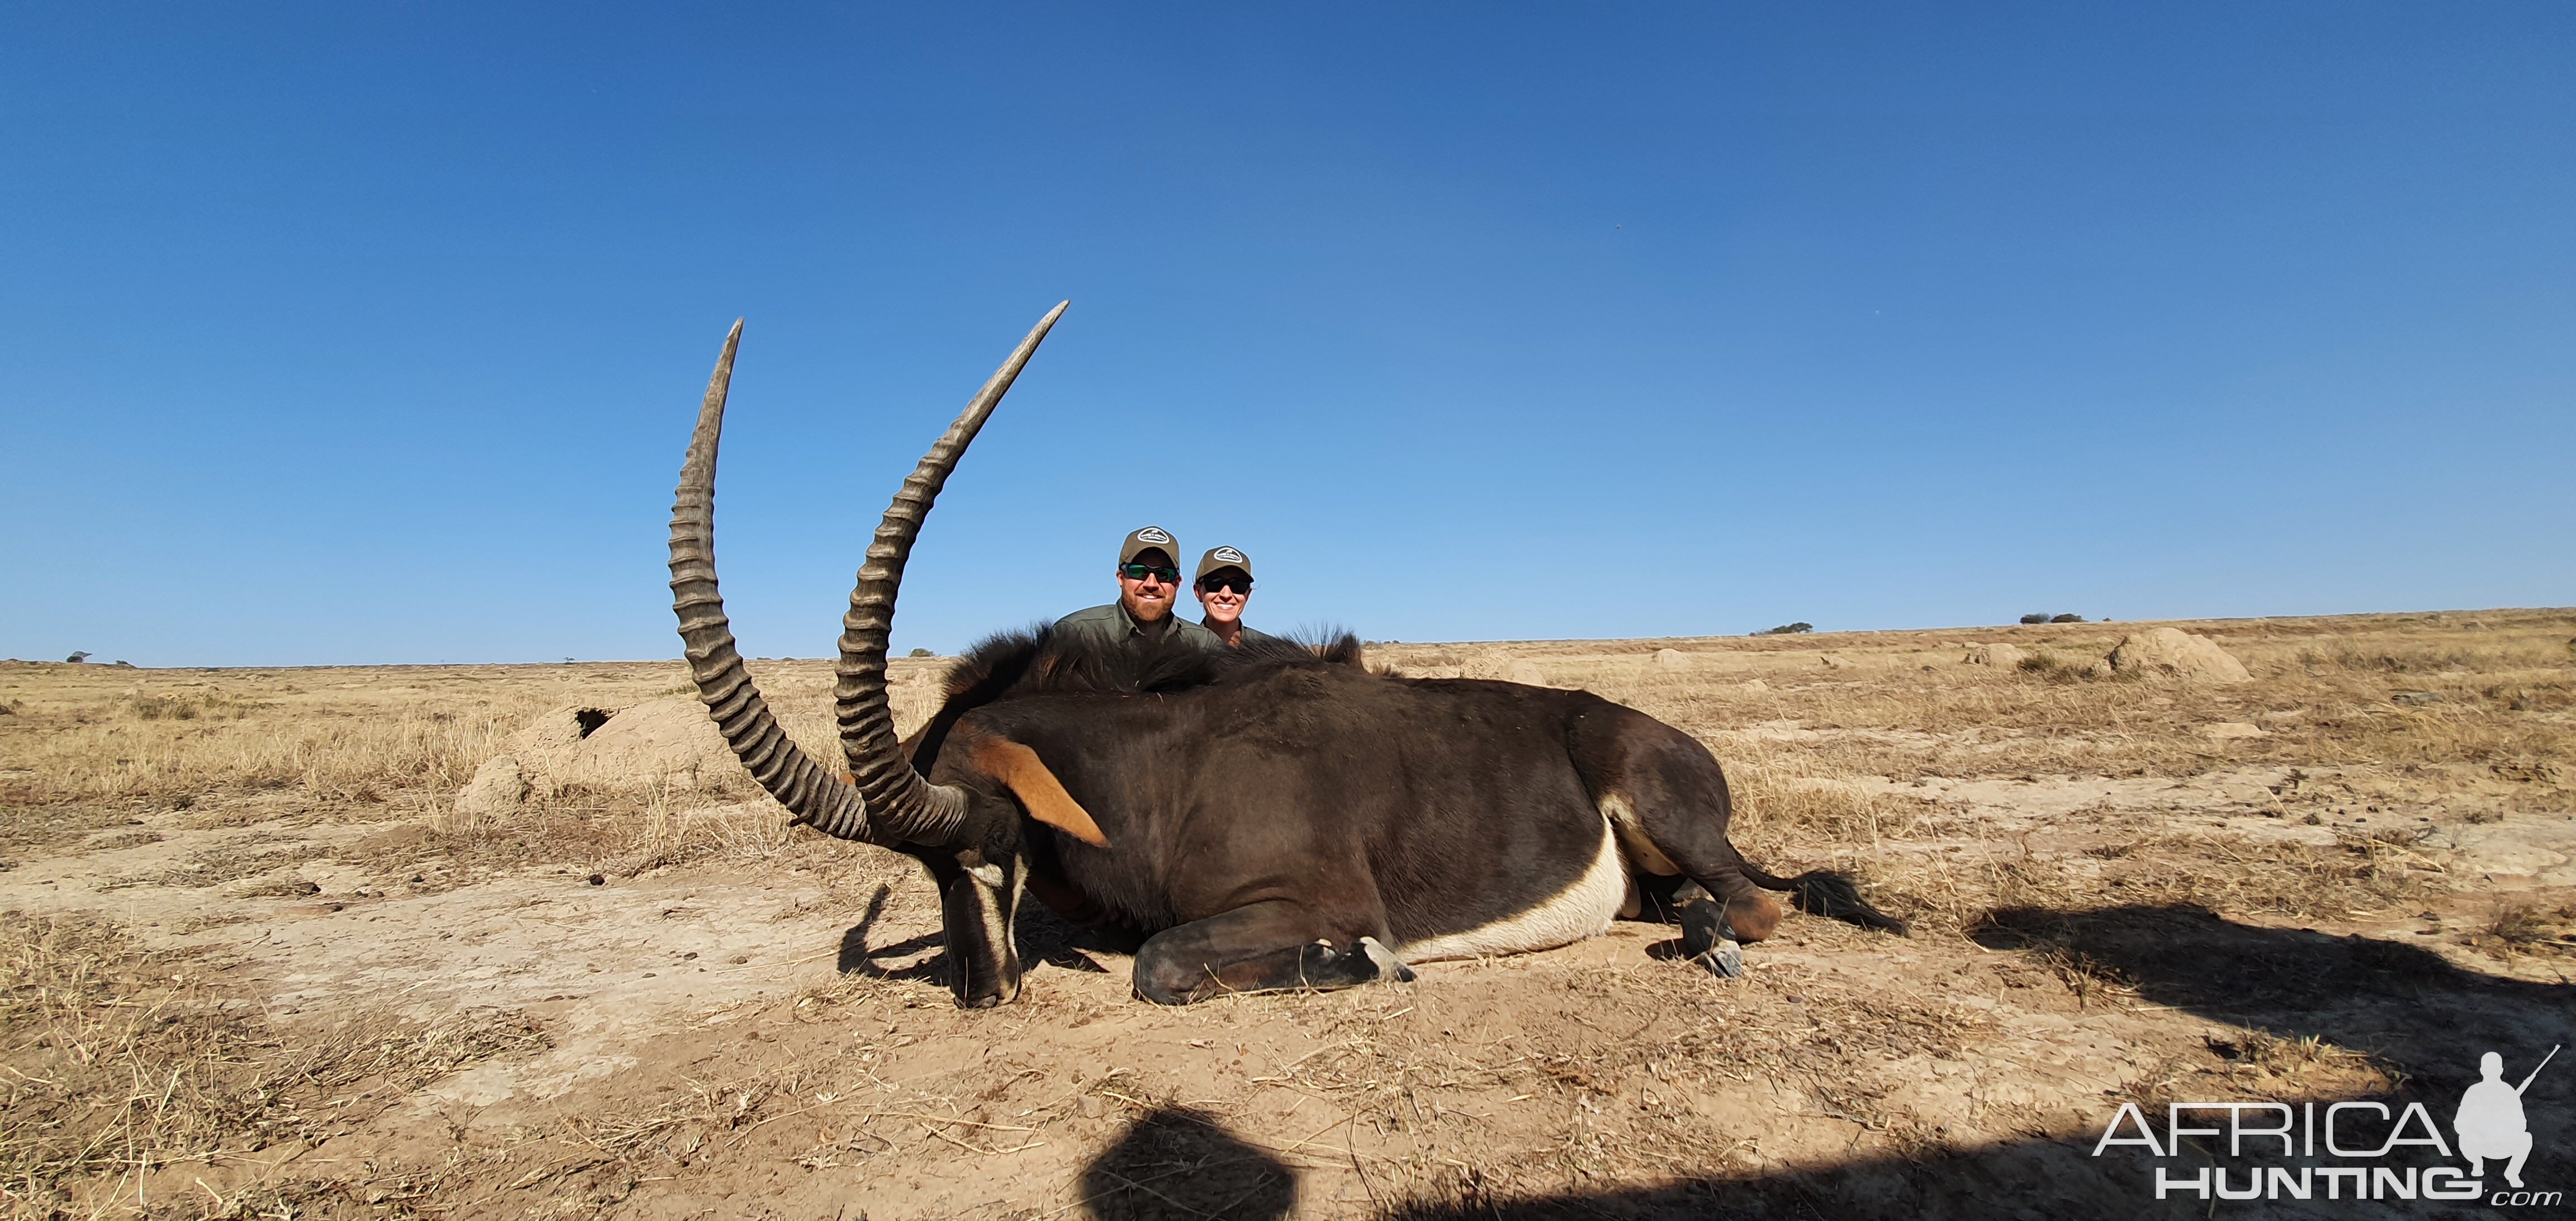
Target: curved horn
<point>811,794</point>
<point>906,806</point>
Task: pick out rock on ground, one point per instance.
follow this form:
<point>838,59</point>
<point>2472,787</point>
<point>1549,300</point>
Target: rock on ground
<point>2174,653</point>
<point>2000,656</point>
<point>496,789</point>
<point>1672,659</point>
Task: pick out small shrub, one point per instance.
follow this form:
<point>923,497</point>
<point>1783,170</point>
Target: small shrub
<point>1788,629</point>
<point>2284,1056</point>
<point>212,705</point>
<point>2515,928</point>
<point>2066,618</point>
<point>921,653</point>
<point>78,657</point>
<point>2061,670</point>
<point>153,708</point>
<point>2041,617</point>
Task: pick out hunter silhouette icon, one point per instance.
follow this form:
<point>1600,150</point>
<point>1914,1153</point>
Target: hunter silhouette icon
<point>2490,1121</point>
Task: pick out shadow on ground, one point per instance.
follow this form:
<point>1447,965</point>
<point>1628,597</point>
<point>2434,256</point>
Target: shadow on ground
<point>1043,937</point>
<point>859,958</point>
<point>1179,1163</point>
<point>2407,1006</point>
<point>1176,1163</point>
<point>2411,1008</point>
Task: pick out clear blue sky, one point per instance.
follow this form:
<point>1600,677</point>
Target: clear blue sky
<point>372,332</point>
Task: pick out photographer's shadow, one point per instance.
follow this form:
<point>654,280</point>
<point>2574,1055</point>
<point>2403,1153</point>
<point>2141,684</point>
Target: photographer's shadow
<point>2402,1002</point>
<point>1175,1163</point>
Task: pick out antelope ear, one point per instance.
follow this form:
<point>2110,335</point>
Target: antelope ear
<point>1026,775</point>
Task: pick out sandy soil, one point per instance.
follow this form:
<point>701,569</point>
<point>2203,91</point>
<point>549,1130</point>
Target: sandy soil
<point>2340,881</point>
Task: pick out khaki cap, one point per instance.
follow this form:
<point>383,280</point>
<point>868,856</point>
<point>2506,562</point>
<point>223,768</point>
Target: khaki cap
<point>1222,557</point>
<point>1149,538</point>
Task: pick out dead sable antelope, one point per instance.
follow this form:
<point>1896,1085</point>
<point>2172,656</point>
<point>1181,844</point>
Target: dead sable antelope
<point>1283,819</point>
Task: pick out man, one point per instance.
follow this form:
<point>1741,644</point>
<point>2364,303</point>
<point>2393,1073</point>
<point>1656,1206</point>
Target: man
<point>1148,579</point>
<point>1224,585</point>
<point>2490,1120</point>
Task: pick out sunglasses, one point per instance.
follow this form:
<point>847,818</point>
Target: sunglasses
<point>1241,585</point>
<point>1138,572</point>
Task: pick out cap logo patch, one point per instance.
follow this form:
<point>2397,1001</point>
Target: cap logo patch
<point>1152,534</point>
<point>1230,555</point>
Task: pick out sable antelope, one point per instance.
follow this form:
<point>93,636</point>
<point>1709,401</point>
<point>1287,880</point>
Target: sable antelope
<point>1280,817</point>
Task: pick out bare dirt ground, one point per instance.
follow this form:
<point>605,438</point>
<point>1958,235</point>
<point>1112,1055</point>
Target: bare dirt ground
<point>254,964</point>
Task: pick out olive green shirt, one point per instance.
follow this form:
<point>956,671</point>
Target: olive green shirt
<point>1251,634</point>
<point>1112,626</point>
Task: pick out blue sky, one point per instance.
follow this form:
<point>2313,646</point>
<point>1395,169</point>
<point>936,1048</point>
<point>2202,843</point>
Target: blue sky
<point>372,332</point>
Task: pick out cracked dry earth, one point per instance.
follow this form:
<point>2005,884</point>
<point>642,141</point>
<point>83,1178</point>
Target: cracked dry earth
<point>2337,882</point>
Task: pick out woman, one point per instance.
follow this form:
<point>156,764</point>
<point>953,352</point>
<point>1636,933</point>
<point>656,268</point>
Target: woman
<point>1224,586</point>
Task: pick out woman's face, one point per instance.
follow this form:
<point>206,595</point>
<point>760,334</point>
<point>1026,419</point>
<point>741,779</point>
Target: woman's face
<point>1223,593</point>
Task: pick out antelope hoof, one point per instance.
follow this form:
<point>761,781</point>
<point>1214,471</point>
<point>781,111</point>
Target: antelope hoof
<point>1389,967</point>
<point>1724,960</point>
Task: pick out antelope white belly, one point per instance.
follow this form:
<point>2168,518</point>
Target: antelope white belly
<point>1583,909</point>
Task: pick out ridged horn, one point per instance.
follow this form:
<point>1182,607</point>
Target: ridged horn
<point>813,795</point>
<point>906,806</point>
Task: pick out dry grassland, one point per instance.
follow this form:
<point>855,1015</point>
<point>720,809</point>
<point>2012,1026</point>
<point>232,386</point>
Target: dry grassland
<point>253,964</point>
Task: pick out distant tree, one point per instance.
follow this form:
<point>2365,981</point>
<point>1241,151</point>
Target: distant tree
<point>78,657</point>
<point>921,653</point>
<point>2041,617</point>
<point>2066,618</point>
<point>1788,629</point>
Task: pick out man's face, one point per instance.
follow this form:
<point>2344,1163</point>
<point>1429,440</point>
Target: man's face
<point>1223,593</point>
<point>1146,585</point>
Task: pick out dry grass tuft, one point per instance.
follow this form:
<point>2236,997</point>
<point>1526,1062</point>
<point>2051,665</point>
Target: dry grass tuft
<point>2360,876</point>
<point>211,705</point>
<point>626,832</point>
<point>2291,1056</point>
<point>120,1059</point>
<point>2265,1063</point>
<point>1785,796</point>
<point>2520,927</point>
<point>164,752</point>
<point>214,867</point>
<point>2088,979</point>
